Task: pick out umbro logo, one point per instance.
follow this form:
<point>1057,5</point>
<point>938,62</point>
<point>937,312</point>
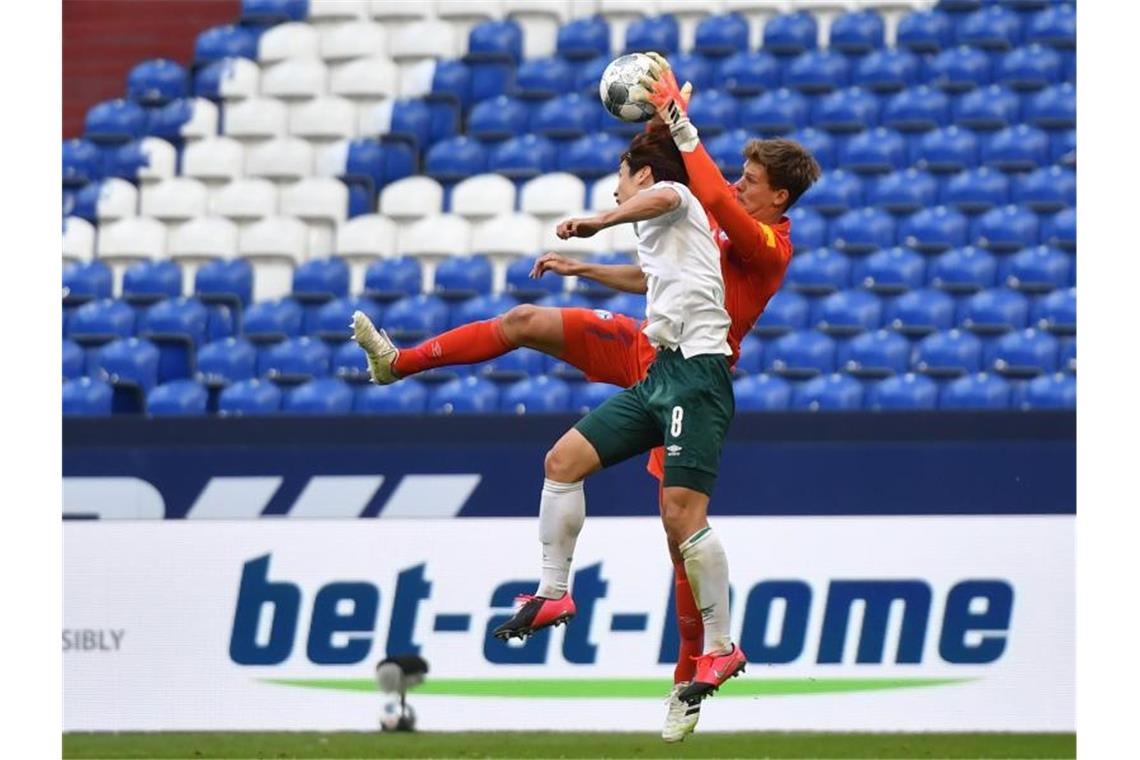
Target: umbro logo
<point>673,449</point>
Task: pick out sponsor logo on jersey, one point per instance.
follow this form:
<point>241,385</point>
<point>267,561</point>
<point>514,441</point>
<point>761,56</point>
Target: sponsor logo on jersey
<point>603,314</point>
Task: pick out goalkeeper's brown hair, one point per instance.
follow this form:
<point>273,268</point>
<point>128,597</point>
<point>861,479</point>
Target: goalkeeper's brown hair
<point>656,150</point>
<point>789,165</point>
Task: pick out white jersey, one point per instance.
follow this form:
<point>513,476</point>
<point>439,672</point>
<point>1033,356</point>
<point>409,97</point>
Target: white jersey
<point>685,297</point>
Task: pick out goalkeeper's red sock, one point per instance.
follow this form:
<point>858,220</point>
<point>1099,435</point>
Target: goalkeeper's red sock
<point>466,344</point>
<point>689,624</point>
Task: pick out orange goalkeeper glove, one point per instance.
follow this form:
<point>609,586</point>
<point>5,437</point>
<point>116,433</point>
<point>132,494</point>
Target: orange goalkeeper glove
<point>671,102</point>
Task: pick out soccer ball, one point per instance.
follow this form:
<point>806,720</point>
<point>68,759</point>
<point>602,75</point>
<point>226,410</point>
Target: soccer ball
<point>620,88</point>
<point>397,716</point>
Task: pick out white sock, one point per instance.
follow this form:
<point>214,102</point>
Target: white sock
<point>560,516</point>
<point>707,568</point>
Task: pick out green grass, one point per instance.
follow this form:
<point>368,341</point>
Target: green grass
<point>564,745</point>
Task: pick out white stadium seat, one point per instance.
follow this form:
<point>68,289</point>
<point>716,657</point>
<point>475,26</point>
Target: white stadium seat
<point>359,39</point>
<point>464,15</point>
<point>221,159</point>
<point>423,39</point>
<point>274,246</point>
<point>135,239</point>
<point>322,12</point>
<point>551,196</point>
<point>317,199</point>
<point>375,119</point>
<point>245,200</point>
<point>323,119</point>
<point>162,160</point>
<point>287,159</point>
<point>411,198</point>
<point>175,200</point>
<point>416,78</point>
<point>330,159</point>
<point>433,239</point>
<point>505,238</point>
<point>602,192</point>
<point>118,199</point>
<point>483,196</point>
<point>360,241</point>
<point>539,22</point>
<point>256,119</point>
<point>386,10</point>
<point>203,238</point>
<point>295,79</point>
<point>295,39</point>
<point>575,247</point>
<point>203,121</point>
<point>365,79</point>
<point>78,239</point>
<point>240,80</point>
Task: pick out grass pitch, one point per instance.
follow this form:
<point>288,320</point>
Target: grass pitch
<point>130,746</point>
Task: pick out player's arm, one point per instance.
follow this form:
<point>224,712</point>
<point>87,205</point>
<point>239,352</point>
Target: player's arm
<point>648,204</point>
<point>628,278</point>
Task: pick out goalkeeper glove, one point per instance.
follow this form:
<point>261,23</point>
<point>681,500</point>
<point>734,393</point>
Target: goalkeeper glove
<point>670,102</point>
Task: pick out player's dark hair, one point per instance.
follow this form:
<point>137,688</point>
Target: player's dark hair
<point>789,165</point>
<point>656,150</point>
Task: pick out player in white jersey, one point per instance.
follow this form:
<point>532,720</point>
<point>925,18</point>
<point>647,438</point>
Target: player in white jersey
<point>684,404</point>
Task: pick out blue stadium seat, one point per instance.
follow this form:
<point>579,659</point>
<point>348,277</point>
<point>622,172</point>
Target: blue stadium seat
<point>857,33</point>
<point>800,354</point>
<point>228,41</point>
<point>828,393</point>
<point>411,123</point>
<point>1060,230</point>
<point>1053,108</point>
<point>818,272</point>
<point>790,34</point>
<point>495,40</point>
<point>925,32</point>
<point>1016,149</point>
<point>584,38</point>
<point>963,270</point>
<point>906,391</point>
<point>513,366</point>
<point>295,361</point>
<point>73,360</point>
<point>762,393</point>
<point>786,312</point>
<point>917,109</point>
<point>849,312</point>
<point>1053,391</point>
<point>1056,26</point>
<point>226,282</point>
<point>946,150</point>
<point>391,279</point>
<point>751,73</point>
<point>949,353</point>
<point>695,68</point>
<point>520,285</point>
<point>498,118</point>
<point>875,151</point>
<point>776,112</point>
<point>836,192</point>
<point>958,8</point>
<point>994,28</point>
<point>86,397</point>
<point>586,77</point>
<point>130,365</point>
<point>591,288</point>
<point>659,33</point>
<point>455,159</point>
<point>247,398</point>
<point>156,82</point>
<point>818,71</point>
<point>987,108</point>
<point>586,397</point>
<point>398,398</point>
<point>719,36</point>
<point>148,282</point>
<point>978,391</point>
<point>1068,355</point>
<point>976,190</point>
<point>523,158</point>
<point>226,361</point>
<point>169,121</point>
<point>565,301</point>
<point>851,110</point>
<point>177,326</point>
<point>920,312</point>
<point>178,398</point>
<point>959,69</point>
<point>936,229</point>
<point>319,281</point>
<point>480,308</point>
<point>1006,228</point>
<point>890,271</point>
<point>995,311</point>
<point>713,112</point>
<point>270,12</point>
<point>1040,269</point>
<point>820,144</point>
<point>902,192</point>
<point>809,229</point>
<point>630,304</point>
<point>326,395</point>
<point>542,78</point>
<point>1063,148</point>
<point>879,353</point>
<point>592,156</point>
<point>82,162</point>
<point>462,277</point>
<point>272,321</point>
<point>751,358</point>
<point>102,321</point>
<point>886,71</point>
<point>727,151</point>
<point>536,395</point>
<point>1047,189</point>
<point>1022,353</point>
<point>85,282</point>
<point>114,122</point>
<point>1056,312</point>
<point>414,318</point>
<point>333,321</point>
<point>468,395</point>
<point>126,161</point>
<point>349,363</point>
<point>863,231</point>
<point>1032,67</point>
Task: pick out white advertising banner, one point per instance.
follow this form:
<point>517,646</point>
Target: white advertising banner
<point>861,624</point>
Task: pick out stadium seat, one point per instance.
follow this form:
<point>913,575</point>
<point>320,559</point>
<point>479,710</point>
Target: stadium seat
<point>326,395</point>
<point>907,391</point>
<point>857,33</point>
<point>750,73</point>
<point>948,353</point>
<point>1005,228</point>
<point>412,198</point>
<point>817,71</point>
<point>874,151</point>
<point>886,71</point>
<point>917,109</point>
<point>849,312</point>
<point>1068,354</point>
<point>1055,26</point>
<point>890,271</point>
<point>461,277</point>
<point>523,158</point>
<point>132,239</point>
<point>988,108</point>
<point>422,40</point>
<point>184,119</point>
<point>352,38</point>
<point>820,144</point>
<point>107,200</point>
<point>661,33</point>
<point>879,353</point>
<point>174,200</point>
<point>978,391</point>
<point>721,35</point>
<point>901,192</point>
<point>295,361</point>
<point>282,160</point>
<point>976,190</point>
<point>434,238</point>
<point>316,200</point>
<point>565,301</point>
<point>82,162</point>
<point>762,393</point>
<point>995,311</point>
<point>536,395</point>
<point>1056,312</point>
<point>214,161</point>
<point>963,270</point>
<point>819,271</point>
<point>1040,269</point>
<point>993,28</point>
<point>791,34</point>
<point>271,12</point>
<point>934,230</point>
<point>274,245</point>
<point>256,120</point>
<point>249,398</point>
<point>414,318</point>
<point>584,38</point>
<point>202,239</point>
<point>834,392</point>
<point>834,193</point>
<point>751,359</point>
<point>483,196</point>
<point>85,282</point>
<point>148,282</point>
<point>863,230</point>
<point>800,354</point>
<point>226,282</point>
<point>468,395</point>
<point>552,197</point>
<point>1029,68</point>
<point>320,280</point>
<point>393,278</point>
<point>592,156</point>
<point>846,111</point>
<point>73,360</point>
<point>332,322</point>
<point>1052,391</point>
<point>148,160</point>
<point>925,31</point>
<point>131,367</point>
<point>295,40</point>
<point>946,150</point>
<point>499,118</point>
<point>397,398</point>
<point>178,398</point>
<point>1022,354</point>
<point>454,159</point>
<point>273,321</point>
<point>786,312</point>
<point>156,82</point>
<point>585,397</point>
<point>776,112</point>
<point>227,80</point>
<point>1046,190</point>
<point>114,122</point>
<point>920,312</point>
<point>809,229</point>
<point>713,112</point>
<point>245,200</point>
<point>1063,148</point>
<point>1016,149</point>
<point>225,361</point>
<point>365,81</point>
<point>630,304</point>
<point>86,397</point>
<point>1054,107</point>
<point>542,78</point>
<point>177,327</point>
<point>518,282</point>
<point>78,239</point>
<point>959,69</point>
<point>504,238</point>
<point>324,119</point>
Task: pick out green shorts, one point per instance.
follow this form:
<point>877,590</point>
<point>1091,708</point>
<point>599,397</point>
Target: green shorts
<point>683,404</point>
